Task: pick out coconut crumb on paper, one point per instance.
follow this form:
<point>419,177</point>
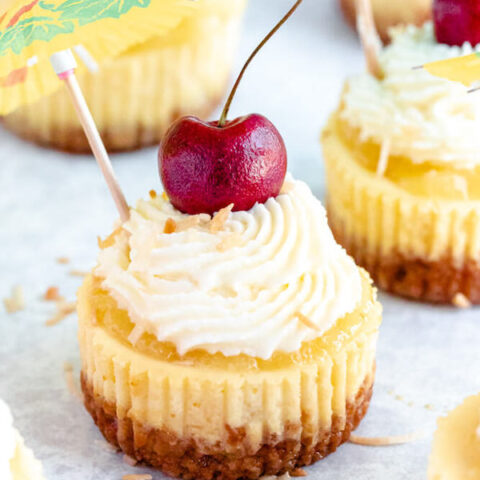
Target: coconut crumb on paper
<point>386,441</point>
<point>129,460</point>
<point>137,476</point>
<point>219,219</point>
<point>72,386</point>
<point>52,294</point>
<point>63,260</point>
<point>16,301</point>
<point>78,273</point>
<point>299,472</point>
<point>461,301</point>
<point>64,309</point>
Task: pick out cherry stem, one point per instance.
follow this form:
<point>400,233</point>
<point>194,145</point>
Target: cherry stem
<point>223,117</point>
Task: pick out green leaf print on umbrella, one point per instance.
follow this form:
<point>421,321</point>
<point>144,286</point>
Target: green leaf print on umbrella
<point>24,32</point>
<point>91,11</point>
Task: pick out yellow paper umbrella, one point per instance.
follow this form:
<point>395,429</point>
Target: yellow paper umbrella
<point>33,32</point>
<point>464,69</point>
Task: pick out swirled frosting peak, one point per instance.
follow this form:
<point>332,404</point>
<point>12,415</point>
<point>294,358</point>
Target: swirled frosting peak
<point>424,118</point>
<point>251,282</point>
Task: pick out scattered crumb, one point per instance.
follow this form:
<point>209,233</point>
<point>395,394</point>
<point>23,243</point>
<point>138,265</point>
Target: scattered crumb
<point>229,241</point>
<point>287,187</point>
<point>69,380</point>
<point>306,321</point>
<point>153,194</point>
<point>400,398</point>
<point>285,476</point>
<point>385,441</point>
<point>52,294</point>
<point>429,406</point>
<point>188,222</point>
<point>170,226</point>
<point>78,273</point>
<point>137,476</point>
<point>219,219</point>
<point>63,260</point>
<point>63,310</point>
<point>129,460</point>
<point>461,301</point>
<point>165,196</point>
<point>16,301</point>
<point>299,472</point>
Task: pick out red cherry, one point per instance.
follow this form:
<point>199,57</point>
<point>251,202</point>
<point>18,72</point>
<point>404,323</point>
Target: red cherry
<point>205,167</point>
<point>457,21</point>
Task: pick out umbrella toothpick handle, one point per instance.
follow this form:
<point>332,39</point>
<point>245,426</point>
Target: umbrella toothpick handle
<point>65,68</point>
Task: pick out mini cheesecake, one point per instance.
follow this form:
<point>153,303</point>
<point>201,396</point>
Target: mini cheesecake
<point>17,462</point>
<point>389,13</point>
<point>456,445</point>
<point>402,157</point>
<point>227,347</point>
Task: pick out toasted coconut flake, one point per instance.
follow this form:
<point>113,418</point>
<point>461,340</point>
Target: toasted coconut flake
<point>153,194</point>
<point>52,294</point>
<point>64,309</point>
<point>77,273</point>
<point>219,219</point>
<point>188,222</point>
<point>299,472</point>
<point>63,260</point>
<point>306,321</point>
<point>287,187</point>
<point>170,226</point>
<point>16,301</point>
<point>383,158</point>
<point>165,196</point>
<point>385,441</point>
<point>137,476</point>
<point>129,460</point>
<point>70,381</point>
<point>228,242</point>
<point>461,301</point>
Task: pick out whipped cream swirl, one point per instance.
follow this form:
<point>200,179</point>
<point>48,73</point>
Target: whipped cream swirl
<point>270,279</point>
<point>428,119</point>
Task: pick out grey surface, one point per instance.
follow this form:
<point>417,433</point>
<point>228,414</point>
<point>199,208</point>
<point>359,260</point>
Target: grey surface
<point>52,204</point>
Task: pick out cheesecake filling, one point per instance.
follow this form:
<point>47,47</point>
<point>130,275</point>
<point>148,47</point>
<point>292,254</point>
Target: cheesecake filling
<point>429,120</point>
<point>267,280</point>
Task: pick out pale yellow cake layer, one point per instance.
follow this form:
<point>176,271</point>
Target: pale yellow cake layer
<point>202,396</point>
<point>385,217</point>
<point>185,71</point>
<point>456,445</point>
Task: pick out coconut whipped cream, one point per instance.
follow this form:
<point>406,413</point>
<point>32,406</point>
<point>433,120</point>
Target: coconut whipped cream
<point>268,280</point>
<point>425,118</point>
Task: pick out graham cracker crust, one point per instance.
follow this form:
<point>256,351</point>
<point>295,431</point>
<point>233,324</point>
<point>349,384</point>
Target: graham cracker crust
<point>413,277</point>
<point>186,458</point>
<point>116,138</point>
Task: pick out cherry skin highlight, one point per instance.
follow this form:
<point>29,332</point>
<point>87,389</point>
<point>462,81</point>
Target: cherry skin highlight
<point>457,21</point>
<point>205,168</point>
